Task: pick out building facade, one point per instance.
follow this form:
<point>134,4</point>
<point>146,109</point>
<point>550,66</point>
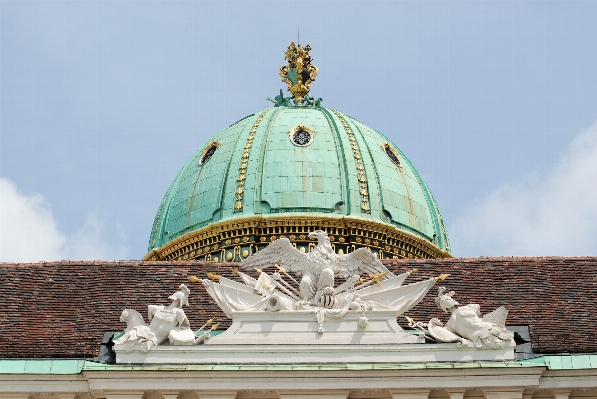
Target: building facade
<point>257,193</point>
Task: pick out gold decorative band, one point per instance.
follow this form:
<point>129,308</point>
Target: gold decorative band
<point>240,180</point>
<point>234,240</point>
<point>364,189</point>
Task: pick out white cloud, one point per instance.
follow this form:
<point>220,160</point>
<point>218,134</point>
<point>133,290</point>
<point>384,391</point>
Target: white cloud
<point>29,232</point>
<point>88,243</point>
<point>553,214</point>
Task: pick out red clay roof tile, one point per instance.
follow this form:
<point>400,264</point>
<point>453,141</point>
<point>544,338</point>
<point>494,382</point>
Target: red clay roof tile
<point>62,309</point>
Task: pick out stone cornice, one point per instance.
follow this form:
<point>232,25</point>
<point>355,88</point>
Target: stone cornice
<point>116,380</point>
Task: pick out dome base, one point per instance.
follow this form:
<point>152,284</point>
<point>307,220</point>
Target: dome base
<point>234,240</point>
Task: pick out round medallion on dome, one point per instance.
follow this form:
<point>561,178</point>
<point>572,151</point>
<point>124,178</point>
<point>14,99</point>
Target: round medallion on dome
<point>301,135</point>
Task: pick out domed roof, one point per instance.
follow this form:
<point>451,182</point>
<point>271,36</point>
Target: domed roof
<point>286,171</point>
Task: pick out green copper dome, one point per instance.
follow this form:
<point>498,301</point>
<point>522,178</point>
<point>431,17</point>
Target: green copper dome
<point>287,170</point>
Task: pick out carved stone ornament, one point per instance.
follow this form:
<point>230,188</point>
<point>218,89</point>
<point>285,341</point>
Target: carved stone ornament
<point>466,326</point>
<point>166,324</point>
<point>367,305</point>
<point>320,307</point>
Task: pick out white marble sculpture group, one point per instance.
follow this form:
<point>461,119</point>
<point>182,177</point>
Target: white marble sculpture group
<point>317,293</point>
<point>169,323</point>
<point>277,309</point>
<point>466,326</point>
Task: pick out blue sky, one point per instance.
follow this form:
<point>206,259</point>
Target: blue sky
<point>103,102</point>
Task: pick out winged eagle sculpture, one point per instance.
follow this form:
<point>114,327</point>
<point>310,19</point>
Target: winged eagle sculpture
<point>318,267</point>
<point>379,289</point>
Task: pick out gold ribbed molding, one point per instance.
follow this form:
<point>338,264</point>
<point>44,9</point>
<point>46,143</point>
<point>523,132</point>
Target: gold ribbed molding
<point>236,239</point>
<point>362,176</point>
<point>244,161</point>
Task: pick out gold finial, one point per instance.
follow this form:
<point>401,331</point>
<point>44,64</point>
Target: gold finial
<point>213,276</point>
<point>215,326</point>
<point>194,279</point>
<point>299,73</point>
<point>413,271</point>
<point>258,270</point>
<point>442,277</point>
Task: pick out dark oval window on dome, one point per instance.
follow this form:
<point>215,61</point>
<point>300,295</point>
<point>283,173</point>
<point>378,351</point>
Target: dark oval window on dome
<point>301,137</point>
<point>392,155</point>
<point>209,153</point>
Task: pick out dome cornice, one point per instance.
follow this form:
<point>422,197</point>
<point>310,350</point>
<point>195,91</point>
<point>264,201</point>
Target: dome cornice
<point>236,239</point>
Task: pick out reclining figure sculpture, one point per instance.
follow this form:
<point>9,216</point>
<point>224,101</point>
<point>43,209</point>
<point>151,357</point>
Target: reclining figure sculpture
<point>169,323</point>
<point>466,325</point>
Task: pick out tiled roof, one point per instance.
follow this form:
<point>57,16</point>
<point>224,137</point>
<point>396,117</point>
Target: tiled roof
<point>62,309</point>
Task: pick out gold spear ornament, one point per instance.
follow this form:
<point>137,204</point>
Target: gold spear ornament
<point>194,279</point>
<point>299,73</point>
<point>413,271</point>
<point>215,326</point>
<point>213,276</point>
<point>284,272</point>
<point>280,268</point>
<point>442,277</point>
<point>207,323</point>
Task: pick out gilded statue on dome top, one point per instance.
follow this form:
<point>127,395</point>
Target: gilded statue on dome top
<point>299,73</point>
